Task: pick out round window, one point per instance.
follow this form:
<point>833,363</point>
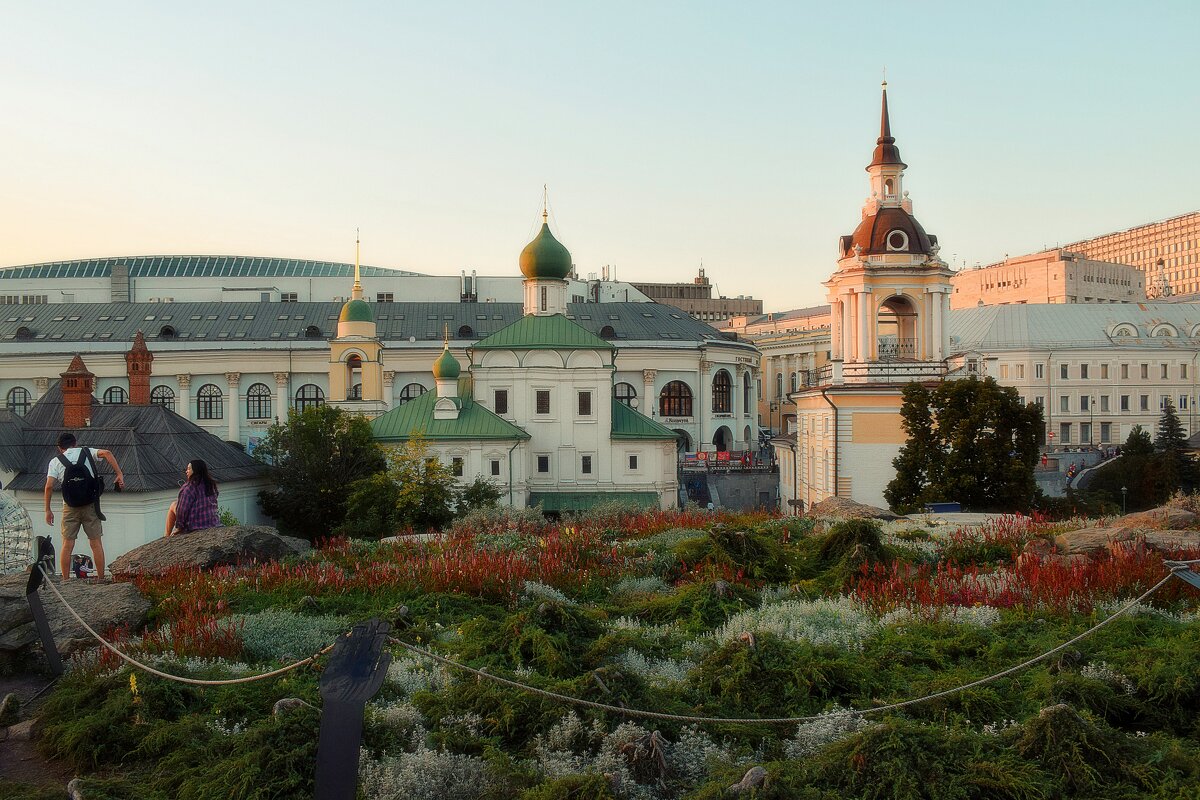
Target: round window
<point>897,240</point>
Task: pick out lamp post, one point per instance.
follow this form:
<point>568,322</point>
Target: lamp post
<point>1091,421</point>
<point>1124,491</point>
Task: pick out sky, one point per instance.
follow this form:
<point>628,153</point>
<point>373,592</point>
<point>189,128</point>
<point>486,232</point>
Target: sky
<point>670,134</point>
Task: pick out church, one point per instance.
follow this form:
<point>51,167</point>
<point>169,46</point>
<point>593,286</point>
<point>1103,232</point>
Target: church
<point>535,410</point>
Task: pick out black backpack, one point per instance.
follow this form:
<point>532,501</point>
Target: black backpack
<point>79,486</point>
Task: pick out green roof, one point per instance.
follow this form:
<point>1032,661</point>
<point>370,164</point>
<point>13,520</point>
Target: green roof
<point>630,424</point>
<point>545,257</point>
<point>551,332</point>
<point>356,311</point>
<point>415,418</point>
<point>582,501</point>
<point>447,365</point>
<point>197,267</point>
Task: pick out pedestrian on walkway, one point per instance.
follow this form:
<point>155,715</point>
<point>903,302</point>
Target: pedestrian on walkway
<point>75,468</point>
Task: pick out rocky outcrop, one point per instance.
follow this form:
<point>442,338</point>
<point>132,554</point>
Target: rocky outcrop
<point>842,508</point>
<point>102,605</point>
<point>1088,541</point>
<point>1166,517</point>
<point>210,548</point>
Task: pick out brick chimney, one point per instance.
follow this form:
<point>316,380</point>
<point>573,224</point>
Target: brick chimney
<point>77,385</point>
<point>137,368</point>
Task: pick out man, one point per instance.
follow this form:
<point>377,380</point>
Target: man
<point>80,516</point>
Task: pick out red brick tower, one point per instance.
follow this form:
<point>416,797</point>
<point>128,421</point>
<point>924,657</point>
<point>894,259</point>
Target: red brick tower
<point>77,383</point>
<point>137,368</point>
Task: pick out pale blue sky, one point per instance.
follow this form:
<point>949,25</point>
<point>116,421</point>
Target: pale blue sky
<point>669,133</point>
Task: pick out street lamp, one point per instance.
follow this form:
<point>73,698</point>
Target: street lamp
<point>1091,421</point>
<point>1124,492</point>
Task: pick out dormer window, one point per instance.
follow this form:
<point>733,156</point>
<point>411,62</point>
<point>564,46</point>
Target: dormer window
<point>897,240</point>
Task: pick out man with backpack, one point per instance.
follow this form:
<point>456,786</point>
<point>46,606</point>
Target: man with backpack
<point>75,469</point>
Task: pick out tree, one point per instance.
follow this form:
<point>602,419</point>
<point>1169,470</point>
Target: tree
<point>970,441</point>
<point>1171,442</point>
<point>1137,443</point>
<point>416,490</point>
<point>1144,474</point>
<point>313,459</point>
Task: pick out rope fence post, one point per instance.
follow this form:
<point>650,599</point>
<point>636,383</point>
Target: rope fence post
<point>43,560</point>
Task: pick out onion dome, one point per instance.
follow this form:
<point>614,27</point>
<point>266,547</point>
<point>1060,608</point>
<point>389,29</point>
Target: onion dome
<point>446,366</point>
<point>545,257</point>
<point>889,230</point>
<point>356,311</point>
<point>886,151</point>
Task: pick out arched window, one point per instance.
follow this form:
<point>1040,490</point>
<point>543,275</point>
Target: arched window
<point>722,393</point>
<point>210,403</point>
<point>625,393</point>
<point>258,402</point>
<point>607,332</point>
<point>309,396</point>
<point>353,376</point>
<point>163,396</point>
<point>745,392</point>
<point>465,332</point>
<point>795,382</point>
<point>779,385</point>
<point>684,441</point>
<point>18,400</point>
<point>24,333</point>
<point>166,332</point>
<point>675,400</point>
<point>312,332</point>
<point>115,396</point>
<point>410,392</point>
<point>355,392</point>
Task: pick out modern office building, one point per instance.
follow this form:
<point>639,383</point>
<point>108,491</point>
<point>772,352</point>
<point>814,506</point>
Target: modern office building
<point>1170,247</point>
<point>1052,276</point>
<point>696,298</point>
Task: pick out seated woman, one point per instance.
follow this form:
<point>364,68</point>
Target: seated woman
<point>196,507</point>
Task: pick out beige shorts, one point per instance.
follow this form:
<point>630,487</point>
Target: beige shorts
<point>82,517</point>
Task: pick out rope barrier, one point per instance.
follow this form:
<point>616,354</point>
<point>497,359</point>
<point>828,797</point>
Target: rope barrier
<point>633,712</point>
<point>178,678</point>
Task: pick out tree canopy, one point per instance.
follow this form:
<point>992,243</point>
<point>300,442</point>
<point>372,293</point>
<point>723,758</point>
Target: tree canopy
<point>970,441</point>
<point>1149,473</point>
<point>313,459</point>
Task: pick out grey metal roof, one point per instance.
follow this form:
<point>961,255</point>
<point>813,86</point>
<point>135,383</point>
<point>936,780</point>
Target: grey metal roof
<point>197,267</point>
<point>220,322</point>
<point>1065,326</point>
<point>151,443</point>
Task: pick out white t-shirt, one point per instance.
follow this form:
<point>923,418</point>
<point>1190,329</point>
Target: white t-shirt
<point>56,469</point>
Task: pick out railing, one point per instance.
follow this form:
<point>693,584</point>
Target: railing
<point>822,376</point>
<point>893,349</point>
<point>892,371</point>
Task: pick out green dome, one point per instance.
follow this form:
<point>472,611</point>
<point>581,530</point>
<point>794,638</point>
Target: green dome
<point>356,311</point>
<point>545,257</point>
<point>446,366</point>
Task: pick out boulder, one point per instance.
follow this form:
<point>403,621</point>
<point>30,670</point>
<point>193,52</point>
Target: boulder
<point>843,508</point>
<point>1172,541</point>
<point>102,604</point>
<point>1158,518</point>
<point>209,548</point>
<point>753,779</point>
<point>1092,540</point>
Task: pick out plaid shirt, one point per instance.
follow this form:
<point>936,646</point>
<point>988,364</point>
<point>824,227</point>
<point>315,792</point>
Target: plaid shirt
<point>195,510</point>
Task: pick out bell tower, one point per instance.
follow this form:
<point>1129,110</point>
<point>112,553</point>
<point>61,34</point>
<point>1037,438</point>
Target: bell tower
<point>356,355</point>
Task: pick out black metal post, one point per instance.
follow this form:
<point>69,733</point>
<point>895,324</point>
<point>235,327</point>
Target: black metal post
<point>45,558</point>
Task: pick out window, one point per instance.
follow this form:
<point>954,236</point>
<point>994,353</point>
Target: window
<point>309,396</point>
<point>795,382</point>
<point>779,385</point>
<point>495,467</point>
<point>1064,433</point>
<point>1085,433</point>
<point>543,464</point>
<point>675,400</point>
<point>1163,375</point>
<point>1183,402</point>
<point>625,393</point>
<point>287,297</point>
<point>163,396</point>
<point>355,392</point>
<point>1124,402</point>
<point>1124,372</point>
<point>501,400</point>
<point>1004,371</point>
<point>456,466</point>
<point>1183,372</point>
<point>1163,402</point>
<point>1083,371</point>
<point>543,298</point>
<point>384,297</point>
<point>1064,403</point>
<point>1039,401</point>
<point>1020,371</point>
<point>1104,402</point>
<point>115,396</point>
<point>585,404</point>
<point>1039,371</point>
<point>1105,432</point>
<point>410,392</point>
<point>722,397</point>
<point>258,402</point>
<point>585,465</point>
<point>542,401</point>
<point>1085,403</point>
<point>18,400</point>
<point>1104,372</point>
<point>1145,372</point>
<point>1062,371</point>
<point>1144,402</point>
<point>745,393</point>
<point>209,402</point>
<point>633,462</point>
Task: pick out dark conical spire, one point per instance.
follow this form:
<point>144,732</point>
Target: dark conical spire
<point>886,151</point>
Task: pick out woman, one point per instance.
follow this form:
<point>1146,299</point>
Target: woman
<point>196,507</point>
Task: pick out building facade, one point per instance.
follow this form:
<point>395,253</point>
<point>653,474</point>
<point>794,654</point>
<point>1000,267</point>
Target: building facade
<point>1052,276</point>
<point>1170,247</point>
<point>696,299</point>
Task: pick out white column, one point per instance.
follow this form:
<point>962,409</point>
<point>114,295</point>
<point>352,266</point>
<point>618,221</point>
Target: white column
<point>389,391</point>
<point>281,397</point>
<point>185,396</point>
<point>704,412</point>
<point>943,339</point>
<point>649,398</point>
<point>864,335</point>
<point>835,329</point>
<point>851,327</point>
<point>233,379</point>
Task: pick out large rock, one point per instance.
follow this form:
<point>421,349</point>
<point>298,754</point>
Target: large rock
<point>1089,541</point>
<point>102,605</point>
<point>842,508</point>
<point>1160,518</point>
<point>209,548</point>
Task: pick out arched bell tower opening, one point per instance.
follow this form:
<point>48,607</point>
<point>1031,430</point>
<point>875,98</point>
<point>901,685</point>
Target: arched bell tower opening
<point>897,326</point>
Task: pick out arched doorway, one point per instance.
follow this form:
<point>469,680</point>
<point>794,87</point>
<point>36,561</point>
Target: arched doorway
<point>722,439</point>
<point>684,443</point>
<point>896,330</point>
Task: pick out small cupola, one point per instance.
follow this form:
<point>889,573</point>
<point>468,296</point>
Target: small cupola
<point>445,374</point>
<point>356,318</point>
<point>546,265</point>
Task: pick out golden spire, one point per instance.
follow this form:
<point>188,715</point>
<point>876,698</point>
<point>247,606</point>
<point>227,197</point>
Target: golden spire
<point>545,203</point>
<point>445,335</point>
<point>357,291</point>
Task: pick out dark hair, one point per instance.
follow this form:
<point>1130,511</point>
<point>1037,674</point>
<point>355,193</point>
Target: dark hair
<point>66,441</point>
<point>200,474</point>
